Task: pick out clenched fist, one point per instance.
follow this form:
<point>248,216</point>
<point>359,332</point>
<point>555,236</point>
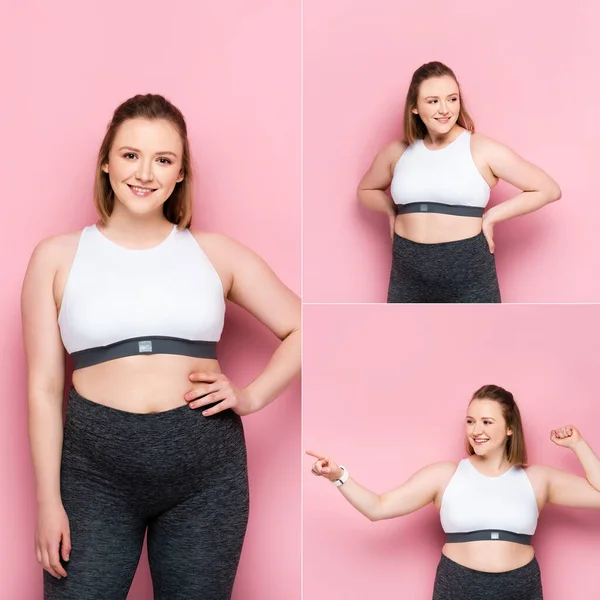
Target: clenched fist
<point>566,436</point>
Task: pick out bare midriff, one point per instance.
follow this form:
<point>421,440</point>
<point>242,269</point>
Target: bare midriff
<point>492,556</point>
<point>433,228</point>
<point>142,384</point>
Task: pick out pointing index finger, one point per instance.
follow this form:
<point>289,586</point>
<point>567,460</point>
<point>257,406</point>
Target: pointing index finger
<point>315,455</point>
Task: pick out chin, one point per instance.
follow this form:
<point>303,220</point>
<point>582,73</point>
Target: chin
<point>441,128</point>
<point>142,206</point>
<point>138,209</point>
<point>479,450</point>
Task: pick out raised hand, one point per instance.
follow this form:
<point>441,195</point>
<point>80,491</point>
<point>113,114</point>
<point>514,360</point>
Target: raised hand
<point>216,387</point>
<point>325,466</point>
<point>566,436</point>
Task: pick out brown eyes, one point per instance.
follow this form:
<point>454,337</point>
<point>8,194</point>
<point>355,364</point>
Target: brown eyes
<point>163,161</point>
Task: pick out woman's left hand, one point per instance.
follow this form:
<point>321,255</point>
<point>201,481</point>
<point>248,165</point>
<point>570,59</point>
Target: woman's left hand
<point>487,228</point>
<point>566,436</point>
<point>216,387</point>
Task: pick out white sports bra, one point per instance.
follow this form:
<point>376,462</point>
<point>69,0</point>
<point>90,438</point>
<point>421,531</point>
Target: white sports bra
<point>443,181</point>
<point>119,302</point>
<point>477,507</point>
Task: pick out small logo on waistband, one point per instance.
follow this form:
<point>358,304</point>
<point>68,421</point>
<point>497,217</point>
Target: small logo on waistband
<point>424,207</point>
<point>495,535</point>
<point>145,347</point>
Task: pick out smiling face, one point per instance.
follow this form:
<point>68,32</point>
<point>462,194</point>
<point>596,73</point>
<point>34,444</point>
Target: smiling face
<point>144,164</point>
<point>438,104</point>
<point>486,428</point>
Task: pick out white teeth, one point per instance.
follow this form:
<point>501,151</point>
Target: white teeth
<point>140,190</point>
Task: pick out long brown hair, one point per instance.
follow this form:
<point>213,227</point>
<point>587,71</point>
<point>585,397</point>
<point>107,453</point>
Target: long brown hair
<point>515,450</point>
<point>178,207</point>
<point>414,128</point>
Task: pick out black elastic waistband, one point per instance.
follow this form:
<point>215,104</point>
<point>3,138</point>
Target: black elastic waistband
<point>156,344</point>
<point>440,208</point>
<point>489,534</point>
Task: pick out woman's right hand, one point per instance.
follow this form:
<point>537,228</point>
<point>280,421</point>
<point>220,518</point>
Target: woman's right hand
<point>325,466</point>
<point>392,218</point>
<point>52,535</point>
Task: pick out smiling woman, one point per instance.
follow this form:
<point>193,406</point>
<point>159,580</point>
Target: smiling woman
<point>488,502</point>
<point>135,161</point>
<point>440,176</point>
<point>138,301</point>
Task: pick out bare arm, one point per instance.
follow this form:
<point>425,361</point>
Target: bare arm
<point>372,187</point>
<point>567,489</point>
<point>45,371</point>
<point>538,187</point>
<point>249,282</point>
<point>590,463</point>
<point>418,491</point>
<point>256,288</point>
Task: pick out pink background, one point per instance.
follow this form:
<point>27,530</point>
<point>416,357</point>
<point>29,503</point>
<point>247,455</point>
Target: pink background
<point>233,69</point>
<point>528,76</point>
<point>385,392</point>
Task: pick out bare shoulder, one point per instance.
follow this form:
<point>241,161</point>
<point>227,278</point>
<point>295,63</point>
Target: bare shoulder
<point>227,255</point>
<point>218,243</point>
<point>539,474</point>
<point>486,145</point>
<point>56,250</point>
<point>444,465</point>
<point>48,267</point>
<point>224,252</point>
<point>536,469</point>
<point>394,151</point>
<point>445,468</point>
<point>482,140</point>
<point>441,472</point>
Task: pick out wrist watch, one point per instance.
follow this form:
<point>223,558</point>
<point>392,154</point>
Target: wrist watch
<point>339,482</point>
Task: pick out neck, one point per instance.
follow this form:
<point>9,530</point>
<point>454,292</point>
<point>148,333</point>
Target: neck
<point>136,228</point>
<point>495,462</point>
<point>441,139</point>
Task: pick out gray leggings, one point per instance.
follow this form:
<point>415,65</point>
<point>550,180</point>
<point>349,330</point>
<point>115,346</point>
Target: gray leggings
<point>462,271</point>
<point>455,582</point>
<point>176,475</point>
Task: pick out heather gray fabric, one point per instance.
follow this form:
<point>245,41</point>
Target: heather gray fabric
<point>455,582</point>
<point>178,475</point>
<point>462,271</point>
